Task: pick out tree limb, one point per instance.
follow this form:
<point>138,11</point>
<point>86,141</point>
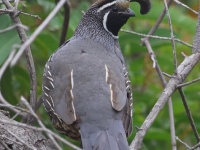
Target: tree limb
<point>14,137</point>
<point>182,72</point>
<point>29,57</point>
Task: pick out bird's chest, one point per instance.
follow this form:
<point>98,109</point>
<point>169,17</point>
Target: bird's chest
<point>98,79</point>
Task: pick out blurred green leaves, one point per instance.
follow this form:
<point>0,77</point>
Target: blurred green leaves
<point>145,81</point>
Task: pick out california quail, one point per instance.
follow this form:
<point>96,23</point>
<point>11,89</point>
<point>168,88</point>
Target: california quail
<point>86,89</point>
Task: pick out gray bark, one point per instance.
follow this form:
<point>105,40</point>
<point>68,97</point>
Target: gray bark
<point>18,138</point>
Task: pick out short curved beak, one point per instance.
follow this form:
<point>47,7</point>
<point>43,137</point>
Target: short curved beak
<point>130,12</point>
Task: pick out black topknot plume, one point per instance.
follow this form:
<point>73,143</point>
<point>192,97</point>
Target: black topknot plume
<point>145,5</point>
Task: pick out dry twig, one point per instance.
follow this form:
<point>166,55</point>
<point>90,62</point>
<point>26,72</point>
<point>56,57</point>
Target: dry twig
<point>29,58</point>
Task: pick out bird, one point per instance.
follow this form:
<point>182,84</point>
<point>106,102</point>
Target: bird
<point>86,87</point>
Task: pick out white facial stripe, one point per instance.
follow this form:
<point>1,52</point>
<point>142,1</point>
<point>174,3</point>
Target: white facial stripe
<point>105,27</point>
<point>106,5</point>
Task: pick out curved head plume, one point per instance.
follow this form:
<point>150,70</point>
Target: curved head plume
<point>145,5</point>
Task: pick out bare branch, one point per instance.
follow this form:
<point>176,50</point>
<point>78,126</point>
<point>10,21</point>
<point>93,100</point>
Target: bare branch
<point>182,71</point>
<point>164,83</point>
<point>20,140</point>
<point>183,143</point>
<point>37,31</point>
<point>178,2</point>
<point>65,22</point>
<point>14,26</point>
<point>194,147</point>
<point>6,63</point>
<point>189,115</point>
<point>157,37</point>
<point>2,100</point>
<point>29,58</point>
<point>172,35</point>
<point>39,121</point>
<point>5,11</point>
<point>17,124</point>
<point>188,83</point>
<point>12,134</point>
<point>35,16</point>
<point>159,20</point>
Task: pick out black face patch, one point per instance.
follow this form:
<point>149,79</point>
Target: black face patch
<point>115,20</point>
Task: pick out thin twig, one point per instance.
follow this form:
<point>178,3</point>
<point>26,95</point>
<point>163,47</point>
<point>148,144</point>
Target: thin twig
<point>164,83</point>
<point>172,36</point>
<point>14,26</point>
<point>29,57</point>
<point>183,70</point>
<point>37,31</point>
<point>27,14</point>
<point>188,83</point>
<point>39,121</point>
<point>168,75</point>
<point>178,2</point>
<point>2,100</point>
<point>6,63</point>
<point>159,20</point>
<point>41,129</point>
<point>11,106</point>
<point>157,37</point>
<point>65,22</point>
<point>194,147</point>
<point>16,4</point>
<point>2,70</point>
<point>189,115</point>
<point>186,145</point>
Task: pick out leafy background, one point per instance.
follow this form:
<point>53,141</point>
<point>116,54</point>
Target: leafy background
<point>145,81</point>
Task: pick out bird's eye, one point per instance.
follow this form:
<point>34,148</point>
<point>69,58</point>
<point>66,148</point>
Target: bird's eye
<point>115,9</point>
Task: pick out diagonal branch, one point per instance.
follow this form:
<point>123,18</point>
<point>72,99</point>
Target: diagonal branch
<point>164,83</point>
<point>183,71</point>
<point>37,31</point>
<point>189,114</point>
<point>29,57</point>
<point>65,22</point>
<point>172,35</point>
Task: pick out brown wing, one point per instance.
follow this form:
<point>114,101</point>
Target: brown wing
<point>116,89</point>
<point>118,101</point>
<point>58,89</point>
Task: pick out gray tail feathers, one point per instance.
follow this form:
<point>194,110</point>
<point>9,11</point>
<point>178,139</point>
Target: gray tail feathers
<point>96,138</point>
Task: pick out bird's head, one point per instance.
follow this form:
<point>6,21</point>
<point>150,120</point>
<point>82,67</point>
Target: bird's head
<point>115,13</point>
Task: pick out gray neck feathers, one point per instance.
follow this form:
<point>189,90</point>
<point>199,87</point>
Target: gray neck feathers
<point>91,26</point>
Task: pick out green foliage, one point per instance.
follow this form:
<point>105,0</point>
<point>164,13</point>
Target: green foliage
<point>7,45</point>
<point>145,81</point>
